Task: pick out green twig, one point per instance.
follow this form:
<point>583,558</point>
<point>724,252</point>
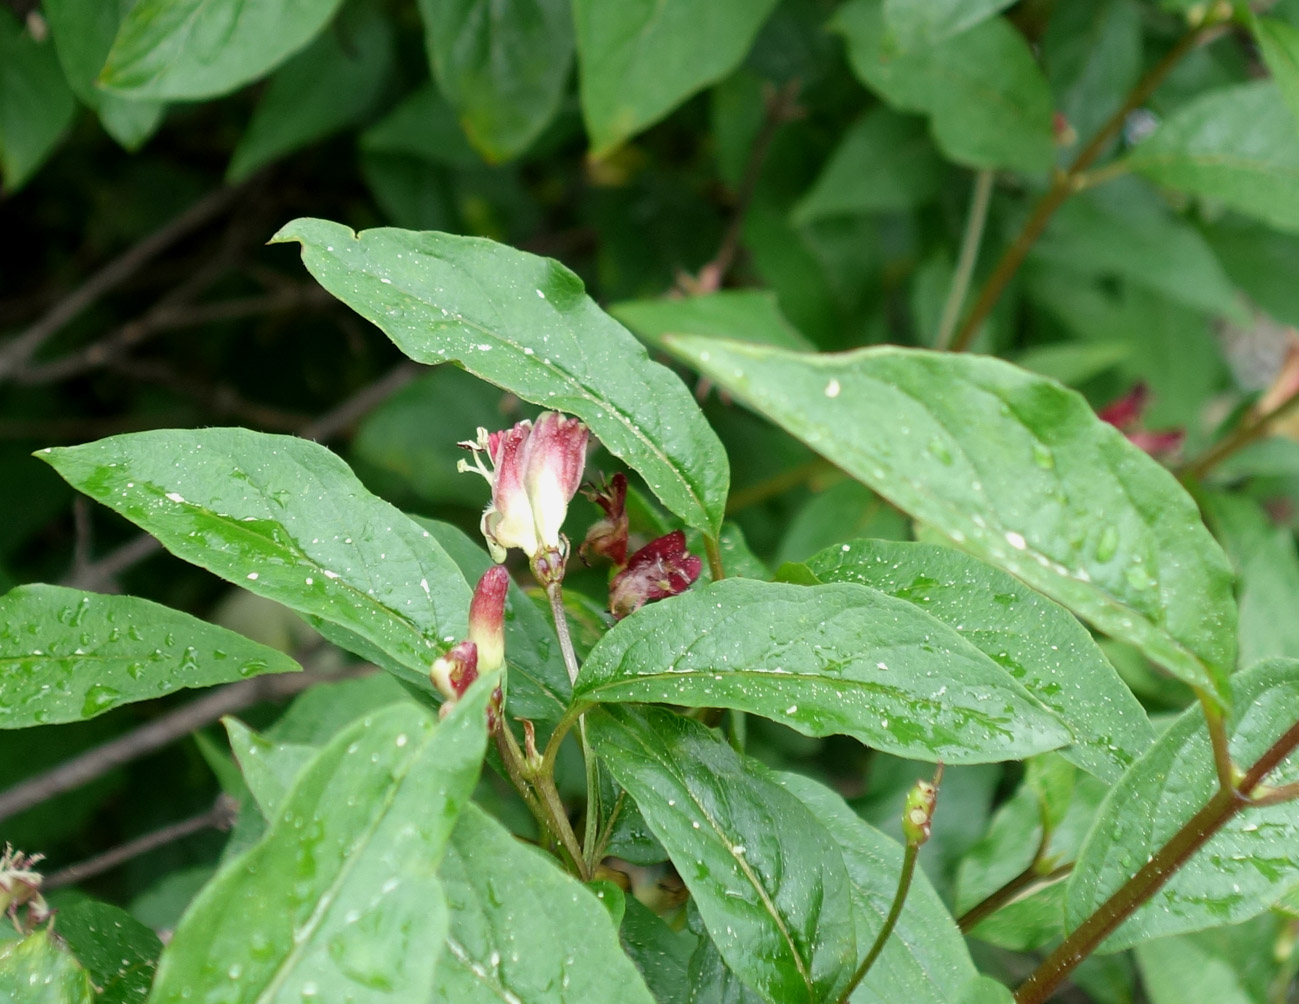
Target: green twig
<point>714,551</point>
<point>974,224</point>
<point>895,911</point>
<point>1247,432</point>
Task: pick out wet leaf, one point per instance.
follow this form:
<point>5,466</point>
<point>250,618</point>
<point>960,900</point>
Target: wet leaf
<point>522,930</point>
<point>1016,470</point>
<point>826,659</point>
<point>1039,643</point>
<point>341,897</point>
<point>285,519</point>
<point>35,970</point>
<point>526,324</point>
<point>768,880</point>
<point>1244,868</point>
<point>66,654</point>
<point>118,952</point>
<point>750,315</point>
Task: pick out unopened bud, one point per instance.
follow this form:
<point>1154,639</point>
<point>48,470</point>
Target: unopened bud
<point>487,618</point>
<point>454,672</point>
<point>608,537</point>
<point>918,810</point>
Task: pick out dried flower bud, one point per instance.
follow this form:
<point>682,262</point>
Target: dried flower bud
<point>663,567</point>
<point>20,886</point>
<point>608,537</point>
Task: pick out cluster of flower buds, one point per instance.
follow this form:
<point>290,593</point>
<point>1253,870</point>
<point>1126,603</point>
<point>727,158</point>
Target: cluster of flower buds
<point>483,651</point>
<point>918,809</point>
<point>1125,414</point>
<point>661,568</point>
<point>535,471</point>
<point>20,886</point>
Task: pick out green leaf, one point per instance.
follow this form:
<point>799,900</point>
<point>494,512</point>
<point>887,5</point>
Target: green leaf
<point>190,49</point>
<point>1092,55</point>
<point>502,64</point>
<point>986,990</point>
<point>36,970</point>
<point>269,768</point>
<point>767,878</point>
<point>537,680</point>
<point>1017,471</point>
<point>522,931</point>
<point>285,519</point>
<point>66,654</point>
<point>830,659</point>
<point>118,951</point>
<point>750,315</point>
<point>925,960</point>
<point>1265,559</point>
<point>1038,643</point>
<point>913,23</point>
<point>639,59</point>
<point>1226,966</point>
<point>989,104</point>
<point>1133,238</point>
<point>422,125</point>
<point>83,33</point>
<point>885,162</point>
<point>1234,145</point>
<point>328,86</point>
<point>526,324</point>
<point>1279,43</point>
<point>1245,867</point>
<point>35,104</point>
<point>342,894</point>
<point>661,954</point>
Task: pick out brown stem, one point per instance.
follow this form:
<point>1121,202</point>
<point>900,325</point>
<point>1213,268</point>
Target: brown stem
<point>1217,724</point>
<point>85,767</point>
<point>1197,831</point>
<point>1247,432</point>
<point>1065,183</point>
<point>220,817</point>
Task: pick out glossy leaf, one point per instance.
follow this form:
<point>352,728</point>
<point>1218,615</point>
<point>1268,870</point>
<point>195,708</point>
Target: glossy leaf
<point>422,125</point>
<point>925,960</point>
<point>526,324</point>
<point>766,876</point>
<point>1017,471</point>
<point>988,102</point>
<point>661,953</point>
<point>825,659</point>
<point>341,896</point>
<point>639,59</point>
<point>884,162</point>
<point>1038,643</point>
<point>1237,146</point>
<point>269,768</point>
<point>37,970</point>
<point>188,49</point>
<point>328,86</point>
<point>36,106</point>
<point>118,952</point>
<point>1244,867</point>
<point>1224,966</point>
<point>913,23</point>
<point>522,930</point>
<point>83,32</point>
<point>66,654</point>
<point>285,519</point>
<point>749,315</point>
<point>503,66</point>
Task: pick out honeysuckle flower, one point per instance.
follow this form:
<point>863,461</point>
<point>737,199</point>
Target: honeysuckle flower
<point>1125,415</point>
<point>661,568</point>
<point>608,537</point>
<point>483,651</point>
<point>535,471</point>
<point>20,885</point>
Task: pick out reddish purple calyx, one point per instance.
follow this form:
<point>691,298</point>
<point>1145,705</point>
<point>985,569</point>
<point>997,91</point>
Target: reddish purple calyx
<point>661,568</point>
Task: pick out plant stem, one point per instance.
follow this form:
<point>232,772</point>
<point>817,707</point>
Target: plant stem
<point>1218,738</point>
<point>541,798</point>
<point>1244,434</point>
<point>994,901</point>
<point>555,593</point>
<point>974,224</point>
<point>714,551</point>
<point>895,911</point>
<point>1066,182</point>
<point>1197,831</point>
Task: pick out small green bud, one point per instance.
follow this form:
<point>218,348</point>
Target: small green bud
<point>918,810</point>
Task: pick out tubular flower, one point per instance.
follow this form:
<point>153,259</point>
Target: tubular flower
<point>663,567</point>
<point>535,470</point>
<point>483,651</point>
<point>608,537</point>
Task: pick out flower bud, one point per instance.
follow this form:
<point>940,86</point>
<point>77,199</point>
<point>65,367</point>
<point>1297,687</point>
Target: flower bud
<point>487,618</point>
<point>663,567</point>
<point>454,672</point>
<point>918,810</point>
<point>20,886</point>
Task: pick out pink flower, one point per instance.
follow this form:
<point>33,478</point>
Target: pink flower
<point>1125,415</point>
<point>608,537</point>
<point>534,474</point>
<point>663,567</point>
<point>483,651</point>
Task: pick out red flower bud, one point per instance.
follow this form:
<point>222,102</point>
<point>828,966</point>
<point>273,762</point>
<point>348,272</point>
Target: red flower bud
<point>454,672</point>
<point>663,567</point>
<point>487,618</point>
